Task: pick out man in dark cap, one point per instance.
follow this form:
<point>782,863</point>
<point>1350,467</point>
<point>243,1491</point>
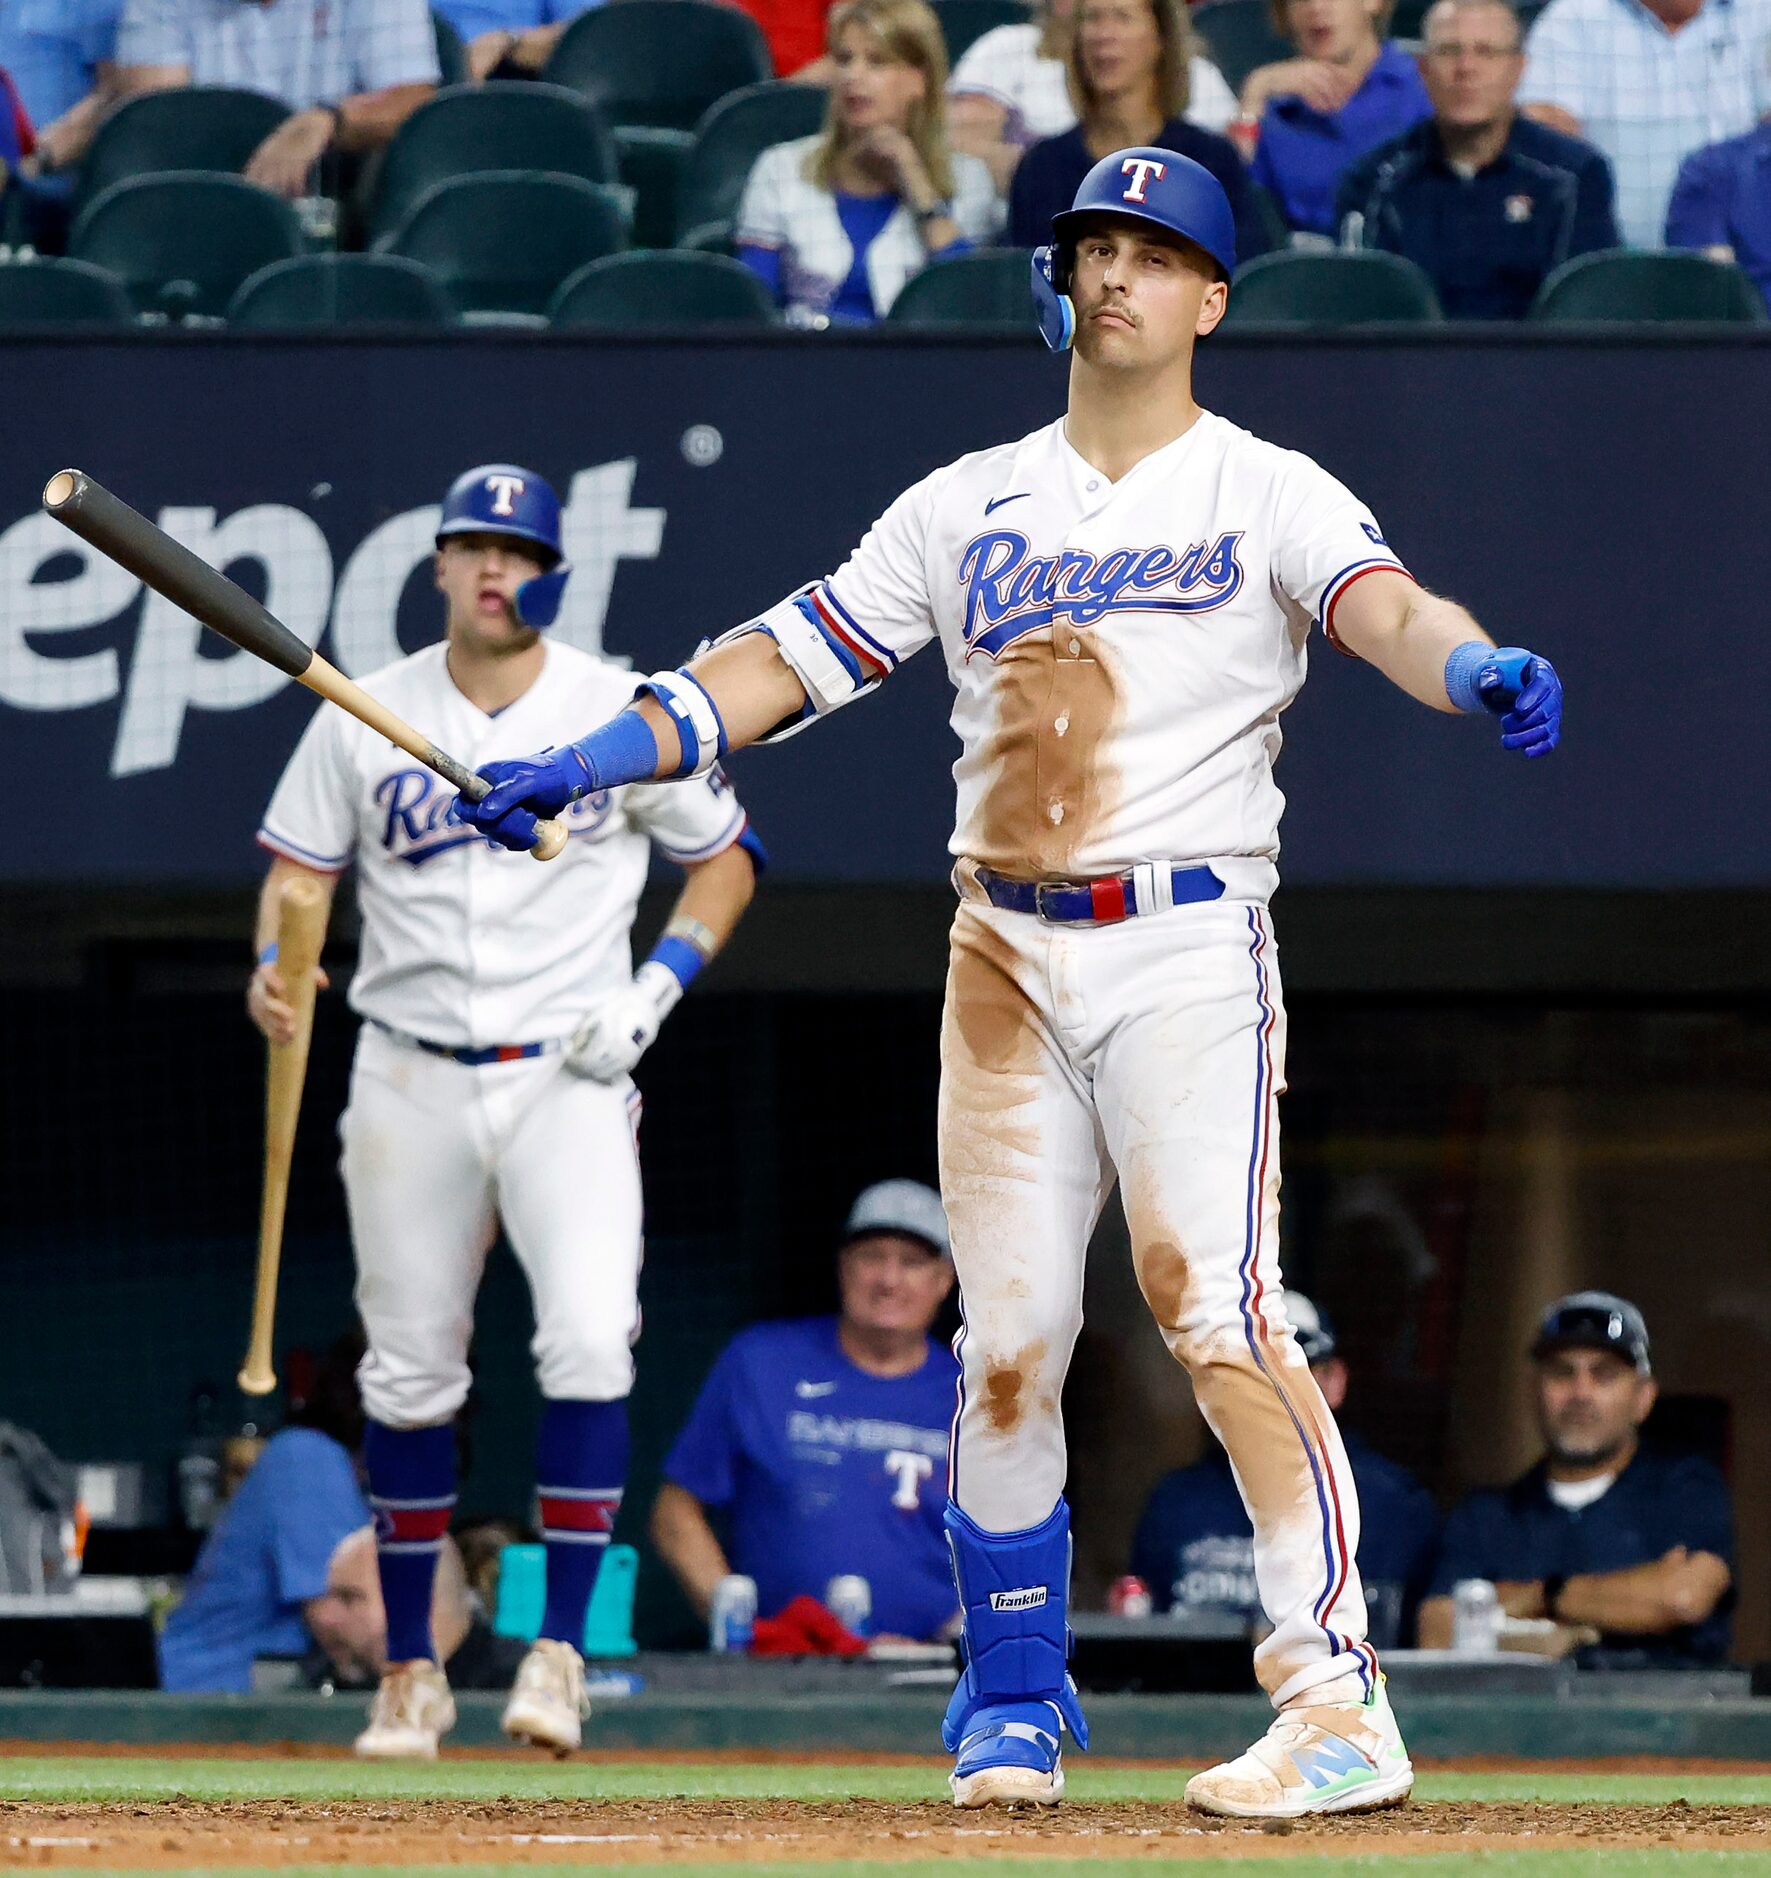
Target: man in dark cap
<point>1602,1534</point>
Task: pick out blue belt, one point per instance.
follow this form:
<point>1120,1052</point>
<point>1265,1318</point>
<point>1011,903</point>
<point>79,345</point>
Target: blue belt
<point>1102,902</point>
<point>474,1059</point>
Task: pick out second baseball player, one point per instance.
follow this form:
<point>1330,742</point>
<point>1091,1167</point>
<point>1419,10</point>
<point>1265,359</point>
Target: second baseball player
<point>501,1018</point>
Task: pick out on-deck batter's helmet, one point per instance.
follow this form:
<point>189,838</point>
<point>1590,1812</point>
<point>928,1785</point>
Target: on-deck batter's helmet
<point>1149,185</point>
<point>501,499</point>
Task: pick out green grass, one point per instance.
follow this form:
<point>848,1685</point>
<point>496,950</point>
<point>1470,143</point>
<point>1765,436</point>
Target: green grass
<point>73,1781</point>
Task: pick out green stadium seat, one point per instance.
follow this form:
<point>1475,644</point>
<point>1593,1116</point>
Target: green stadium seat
<point>1334,289</point>
<point>182,243</point>
<point>1408,17</point>
<point>1239,36</point>
<point>659,62</point>
<point>503,242</point>
<point>61,293</point>
<point>199,127</point>
<point>470,129</point>
<point>451,53</point>
<point>1621,285</point>
<point>989,290</point>
<point>651,163</point>
<point>965,21</point>
<point>728,140</point>
<point>672,289</point>
<point>340,290</point>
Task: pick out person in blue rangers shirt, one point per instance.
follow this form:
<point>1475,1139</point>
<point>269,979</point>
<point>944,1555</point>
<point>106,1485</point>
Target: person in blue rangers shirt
<point>1603,1534</point>
<point>1194,1546</point>
<point>823,1441</point>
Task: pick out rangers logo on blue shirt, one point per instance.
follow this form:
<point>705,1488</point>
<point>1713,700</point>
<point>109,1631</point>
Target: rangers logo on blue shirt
<point>1011,592</point>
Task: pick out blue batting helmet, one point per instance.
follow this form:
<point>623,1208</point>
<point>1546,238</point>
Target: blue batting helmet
<point>1149,185</point>
<point>501,499</point>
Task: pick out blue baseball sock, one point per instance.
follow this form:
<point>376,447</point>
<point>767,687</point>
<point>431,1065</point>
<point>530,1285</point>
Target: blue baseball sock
<point>412,1491</point>
<point>580,1470</point>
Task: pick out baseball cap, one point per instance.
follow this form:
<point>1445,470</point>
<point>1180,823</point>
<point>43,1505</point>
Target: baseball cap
<point>1310,1327</point>
<point>1594,1320</point>
<point>905,1206</point>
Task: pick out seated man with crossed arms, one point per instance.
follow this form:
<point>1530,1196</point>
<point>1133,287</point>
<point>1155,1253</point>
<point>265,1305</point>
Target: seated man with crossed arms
<point>1603,1534</point>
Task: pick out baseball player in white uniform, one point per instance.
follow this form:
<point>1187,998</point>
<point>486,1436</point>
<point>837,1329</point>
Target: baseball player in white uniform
<point>1123,600</point>
<point>501,1016</point>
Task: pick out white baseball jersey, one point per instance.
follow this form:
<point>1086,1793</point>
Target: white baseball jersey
<point>1121,651</point>
<point>463,942</point>
<point>1005,66</point>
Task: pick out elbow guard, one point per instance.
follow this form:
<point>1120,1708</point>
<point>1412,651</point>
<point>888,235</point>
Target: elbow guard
<point>830,670</point>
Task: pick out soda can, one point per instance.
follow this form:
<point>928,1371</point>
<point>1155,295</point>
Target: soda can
<point>731,1622</point>
<point>849,1598</point>
<point>1130,1597</point>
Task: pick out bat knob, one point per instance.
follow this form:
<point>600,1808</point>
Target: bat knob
<point>256,1381</point>
<point>550,838</point>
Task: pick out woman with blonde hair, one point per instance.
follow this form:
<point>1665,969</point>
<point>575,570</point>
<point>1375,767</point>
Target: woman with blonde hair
<point>1129,65</point>
<point>835,224</point>
<point>1011,87</point>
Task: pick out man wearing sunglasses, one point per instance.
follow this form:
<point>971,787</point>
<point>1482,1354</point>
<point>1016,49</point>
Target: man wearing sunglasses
<point>1602,1534</point>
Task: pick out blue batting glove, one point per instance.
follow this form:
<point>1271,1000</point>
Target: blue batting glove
<point>524,789</point>
<point>1518,686</point>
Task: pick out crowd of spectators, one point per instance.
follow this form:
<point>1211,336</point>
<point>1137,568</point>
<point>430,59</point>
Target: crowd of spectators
<point>1484,153</point>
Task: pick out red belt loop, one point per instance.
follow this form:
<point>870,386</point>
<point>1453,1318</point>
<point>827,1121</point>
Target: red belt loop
<point>1109,899</point>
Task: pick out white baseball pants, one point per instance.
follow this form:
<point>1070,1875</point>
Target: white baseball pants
<point>436,1153</point>
<point>1154,1048</point>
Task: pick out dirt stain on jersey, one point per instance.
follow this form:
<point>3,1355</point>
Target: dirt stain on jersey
<point>1009,1385</point>
<point>1052,782</point>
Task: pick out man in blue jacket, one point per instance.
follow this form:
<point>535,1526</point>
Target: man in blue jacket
<point>1488,202</point>
<point>1602,1534</point>
<point>1195,1548</point>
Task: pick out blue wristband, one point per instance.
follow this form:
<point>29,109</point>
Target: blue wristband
<point>1461,670</point>
<point>269,955</point>
<point>620,751</point>
<point>678,957</point>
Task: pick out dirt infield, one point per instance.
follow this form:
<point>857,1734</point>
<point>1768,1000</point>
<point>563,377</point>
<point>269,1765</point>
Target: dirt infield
<point>184,1833</point>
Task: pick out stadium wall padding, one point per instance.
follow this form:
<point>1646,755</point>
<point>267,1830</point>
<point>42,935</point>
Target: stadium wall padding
<point>1600,498</point>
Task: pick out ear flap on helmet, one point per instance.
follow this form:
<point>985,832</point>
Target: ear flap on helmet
<point>537,601</point>
<point>1057,317</point>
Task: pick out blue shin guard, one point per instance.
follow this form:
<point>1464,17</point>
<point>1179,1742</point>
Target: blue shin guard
<point>1014,1591</point>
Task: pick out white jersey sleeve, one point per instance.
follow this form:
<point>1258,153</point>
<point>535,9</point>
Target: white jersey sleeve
<point>841,636</point>
<point>688,821</point>
<point>312,816</point>
<point>1324,539</point>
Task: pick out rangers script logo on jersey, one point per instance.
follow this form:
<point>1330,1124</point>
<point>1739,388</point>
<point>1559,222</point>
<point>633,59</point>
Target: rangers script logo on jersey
<point>1010,591</point>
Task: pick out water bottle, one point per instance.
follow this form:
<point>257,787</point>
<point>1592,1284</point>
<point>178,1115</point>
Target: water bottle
<point>1475,1617</point>
<point>849,1599</point>
<point>1130,1597</point>
<point>731,1623</point>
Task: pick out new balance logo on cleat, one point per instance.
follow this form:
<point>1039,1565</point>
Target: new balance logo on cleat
<point>1023,1598</point>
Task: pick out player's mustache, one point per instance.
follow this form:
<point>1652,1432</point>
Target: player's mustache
<point>1104,303</point>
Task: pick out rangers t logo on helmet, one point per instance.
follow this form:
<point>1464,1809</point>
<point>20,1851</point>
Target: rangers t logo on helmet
<point>506,499</point>
<point>1140,170</point>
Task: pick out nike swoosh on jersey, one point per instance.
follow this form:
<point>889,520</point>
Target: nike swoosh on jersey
<point>809,1389</point>
<point>995,503</point>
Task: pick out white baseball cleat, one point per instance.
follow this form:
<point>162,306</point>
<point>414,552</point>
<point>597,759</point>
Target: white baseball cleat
<point>412,1711</point>
<point>547,1703</point>
<point>1343,1759</point>
<point>1010,1756</point>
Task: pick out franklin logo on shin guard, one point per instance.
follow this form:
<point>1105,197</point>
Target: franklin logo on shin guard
<point>1022,1598</point>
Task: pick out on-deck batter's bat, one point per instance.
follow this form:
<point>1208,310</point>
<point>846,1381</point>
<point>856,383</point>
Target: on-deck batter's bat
<point>301,927</point>
<point>188,581</point>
